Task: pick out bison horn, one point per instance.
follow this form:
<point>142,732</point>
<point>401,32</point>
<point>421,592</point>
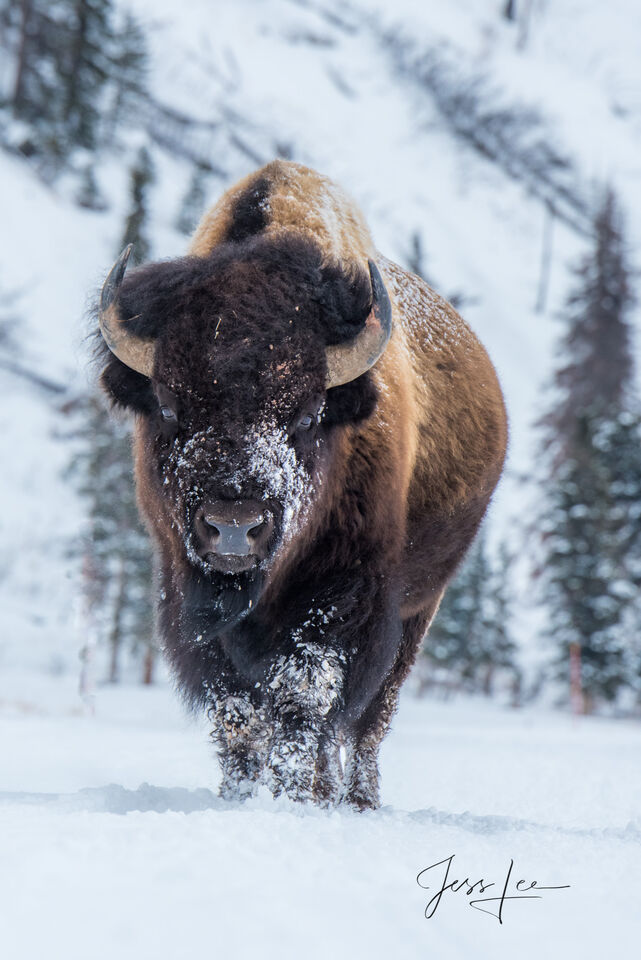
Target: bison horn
<point>347,361</point>
<point>130,350</point>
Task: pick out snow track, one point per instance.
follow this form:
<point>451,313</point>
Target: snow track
<point>147,798</point>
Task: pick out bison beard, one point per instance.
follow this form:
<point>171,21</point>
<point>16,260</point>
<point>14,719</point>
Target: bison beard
<point>262,384</point>
<point>217,605</point>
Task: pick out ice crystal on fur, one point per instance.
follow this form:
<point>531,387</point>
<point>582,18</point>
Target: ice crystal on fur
<point>304,688</point>
<point>310,681</point>
<point>273,462</point>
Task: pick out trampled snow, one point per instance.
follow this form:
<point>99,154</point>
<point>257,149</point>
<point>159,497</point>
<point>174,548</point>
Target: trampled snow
<point>114,843</point>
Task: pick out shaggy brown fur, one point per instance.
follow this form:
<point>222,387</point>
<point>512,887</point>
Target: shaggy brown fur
<point>307,651</point>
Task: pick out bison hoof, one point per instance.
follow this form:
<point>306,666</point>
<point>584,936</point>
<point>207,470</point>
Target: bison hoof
<point>362,801</point>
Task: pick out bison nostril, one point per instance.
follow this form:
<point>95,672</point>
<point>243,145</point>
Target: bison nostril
<point>255,531</point>
<point>259,533</point>
<point>211,526</point>
<point>233,528</point>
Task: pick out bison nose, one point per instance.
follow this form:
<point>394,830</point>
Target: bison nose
<point>232,528</point>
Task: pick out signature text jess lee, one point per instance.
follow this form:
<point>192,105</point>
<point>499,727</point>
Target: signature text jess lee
<point>493,904</point>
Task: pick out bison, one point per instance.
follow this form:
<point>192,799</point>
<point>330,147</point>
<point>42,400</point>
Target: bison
<point>317,435</point>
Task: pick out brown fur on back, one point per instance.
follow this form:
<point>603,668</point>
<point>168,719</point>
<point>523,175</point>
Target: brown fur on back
<point>440,427</point>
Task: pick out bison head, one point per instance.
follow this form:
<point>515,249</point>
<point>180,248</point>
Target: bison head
<point>241,368</point>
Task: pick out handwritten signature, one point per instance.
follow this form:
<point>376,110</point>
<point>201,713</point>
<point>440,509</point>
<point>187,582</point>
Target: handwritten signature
<point>479,886</point>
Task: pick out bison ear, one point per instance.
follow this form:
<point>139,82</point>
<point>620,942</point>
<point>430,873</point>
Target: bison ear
<point>126,388</point>
<point>351,402</point>
<point>345,303</point>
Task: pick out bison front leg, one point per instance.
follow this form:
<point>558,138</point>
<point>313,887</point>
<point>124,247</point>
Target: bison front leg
<point>328,776</point>
<point>305,690</point>
<point>362,775</point>
<point>242,735</point>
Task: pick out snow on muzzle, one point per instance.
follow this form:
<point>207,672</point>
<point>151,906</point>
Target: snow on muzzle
<point>241,508</point>
<point>233,535</point>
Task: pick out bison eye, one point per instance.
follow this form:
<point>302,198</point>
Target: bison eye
<point>167,413</point>
<point>305,422</point>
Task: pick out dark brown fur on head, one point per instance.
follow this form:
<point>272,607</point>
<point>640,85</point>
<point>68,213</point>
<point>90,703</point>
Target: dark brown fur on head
<point>257,313</point>
<point>240,341</point>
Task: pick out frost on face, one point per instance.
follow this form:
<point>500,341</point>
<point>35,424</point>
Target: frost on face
<point>266,458</point>
<point>273,463</point>
<point>187,461</point>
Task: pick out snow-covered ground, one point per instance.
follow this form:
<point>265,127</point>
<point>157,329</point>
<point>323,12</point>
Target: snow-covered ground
<point>114,843</point>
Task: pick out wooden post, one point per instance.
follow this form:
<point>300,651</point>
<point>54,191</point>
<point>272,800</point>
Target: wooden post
<point>148,664</point>
<point>576,688</point>
<point>88,627</point>
<point>115,636</point>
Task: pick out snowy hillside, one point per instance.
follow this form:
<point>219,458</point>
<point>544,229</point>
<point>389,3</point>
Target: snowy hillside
<point>96,865</point>
<point>321,82</point>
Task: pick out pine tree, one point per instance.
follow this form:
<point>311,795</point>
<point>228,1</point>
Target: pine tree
<point>86,67</point>
<point>61,51</point>
<point>9,343</point>
<point>470,644</point>
<point>32,38</point>
<point>499,649</point>
<point>141,178</point>
<point>63,57</point>
<point>597,375</point>
<point>88,194</point>
<point>115,543</point>
<point>475,576</point>
<point>446,649</point>
<point>129,72</point>
<point>193,203</point>
<point>591,524</point>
